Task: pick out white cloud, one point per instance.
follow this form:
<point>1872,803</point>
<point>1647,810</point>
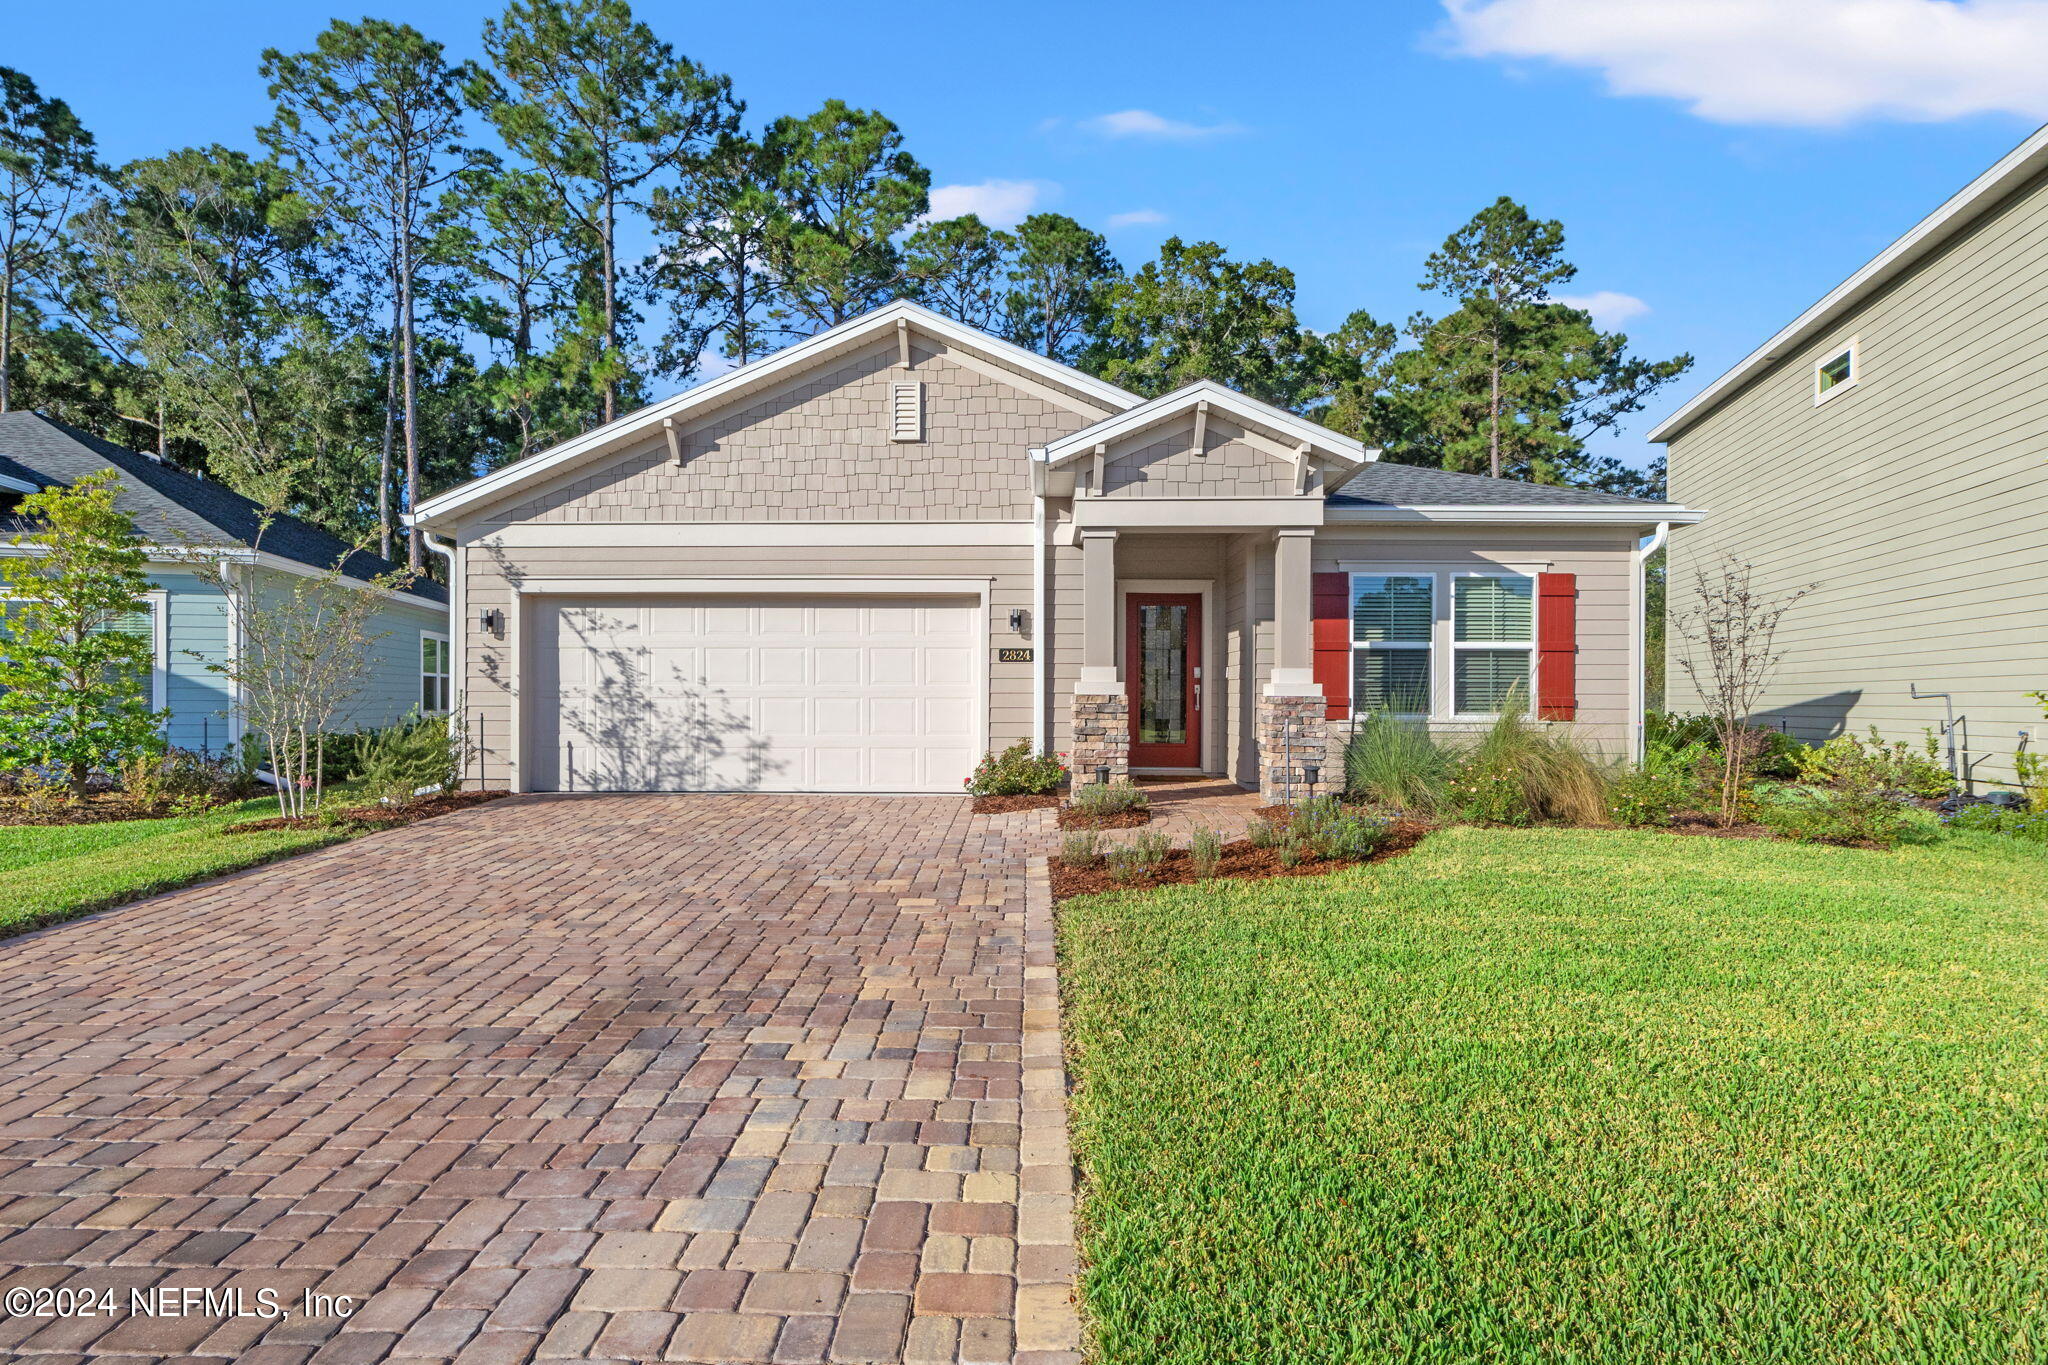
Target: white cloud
<point>1609,309</point>
<point>999,203</point>
<point>1143,123</point>
<point>1809,63</point>
<point>1136,218</point>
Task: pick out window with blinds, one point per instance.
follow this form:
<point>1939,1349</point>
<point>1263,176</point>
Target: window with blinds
<point>1493,636</point>
<point>1393,617</point>
<point>906,410</point>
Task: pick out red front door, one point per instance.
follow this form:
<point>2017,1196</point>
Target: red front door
<point>1163,669</point>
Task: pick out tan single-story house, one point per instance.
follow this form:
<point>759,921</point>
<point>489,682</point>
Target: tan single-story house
<point>862,562</point>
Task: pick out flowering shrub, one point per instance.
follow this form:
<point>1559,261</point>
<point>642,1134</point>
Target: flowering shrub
<point>1666,782</point>
<point>1108,798</point>
<point>1016,771</point>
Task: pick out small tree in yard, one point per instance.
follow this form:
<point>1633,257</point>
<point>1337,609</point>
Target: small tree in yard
<point>74,690</point>
<point>1729,632</point>
<point>305,656</point>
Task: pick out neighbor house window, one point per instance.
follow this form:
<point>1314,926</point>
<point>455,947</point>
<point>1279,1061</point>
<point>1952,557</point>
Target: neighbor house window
<point>1393,620</point>
<point>1834,374</point>
<point>1475,660</point>
<point>435,676</point>
<point>1493,639</point>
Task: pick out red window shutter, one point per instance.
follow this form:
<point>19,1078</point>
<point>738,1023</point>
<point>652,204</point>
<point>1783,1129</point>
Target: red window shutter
<point>1557,646</point>
<point>1330,608</point>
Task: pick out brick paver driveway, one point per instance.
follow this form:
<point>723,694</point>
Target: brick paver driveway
<point>713,1078</point>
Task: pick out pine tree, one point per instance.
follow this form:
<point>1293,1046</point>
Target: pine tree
<point>46,163</point>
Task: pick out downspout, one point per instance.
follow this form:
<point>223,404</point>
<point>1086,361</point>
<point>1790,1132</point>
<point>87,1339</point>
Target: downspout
<point>1640,645</point>
<point>458,631</point>
<point>1041,654</point>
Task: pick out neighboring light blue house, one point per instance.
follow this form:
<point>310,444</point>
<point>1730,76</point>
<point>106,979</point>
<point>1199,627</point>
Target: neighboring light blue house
<point>192,622</point>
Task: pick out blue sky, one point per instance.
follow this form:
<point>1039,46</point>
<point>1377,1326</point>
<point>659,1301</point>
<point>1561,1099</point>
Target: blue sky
<point>1718,164</point>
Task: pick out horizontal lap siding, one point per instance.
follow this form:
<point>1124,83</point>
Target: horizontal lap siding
<point>1603,562</point>
<point>1916,502</point>
<point>492,575</point>
<point>197,638</point>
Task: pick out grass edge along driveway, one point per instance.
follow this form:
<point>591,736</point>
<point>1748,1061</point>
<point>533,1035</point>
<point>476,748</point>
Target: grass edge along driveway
<point>1579,1096</point>
<point>50,873</point>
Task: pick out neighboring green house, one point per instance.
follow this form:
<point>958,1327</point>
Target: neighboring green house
<point>1890,445</point>
<point>191,622</point>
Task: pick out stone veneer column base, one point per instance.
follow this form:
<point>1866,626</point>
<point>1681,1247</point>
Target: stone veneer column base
<point>1102,737</point>
<point>1293,738</point>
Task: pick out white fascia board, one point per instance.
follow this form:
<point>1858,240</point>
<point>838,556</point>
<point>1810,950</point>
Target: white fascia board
<point>640,585</point>
<point>759,535</point>
<point>882,320</point>
<point>1526,516</point>
<point>8,481</point>
<point>1250,411</point>
<point>2016,166</point>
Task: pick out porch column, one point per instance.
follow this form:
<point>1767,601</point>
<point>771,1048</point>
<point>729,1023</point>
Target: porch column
<point>1101,714</point>
<point>1099,671</point>
<point>1293,642</point>
<point>1295,762</point>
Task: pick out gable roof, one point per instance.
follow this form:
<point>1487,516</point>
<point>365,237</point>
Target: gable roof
<point>1963,208</point>
<point>167,503</point>
<point>616,435</point>
<point>1277,423</point>
<point>1415,492</point>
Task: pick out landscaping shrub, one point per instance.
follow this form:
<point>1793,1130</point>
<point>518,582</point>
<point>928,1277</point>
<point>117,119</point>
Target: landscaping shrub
<point>1150,848</point>
<point>1663,784</point>
<point>2031,825</point>
<point>1847,761</point>
<point>1835,815</point>
<point>1205,852</point>
<point>1516,775</point>
<point>419,752</point>
<point>184,781</point>
<point>1081,848</point>
<point>1017,771</point>
<point>1260,832</point>
<point>1123,863</point>
<point>1776,753</point>
<point>1395,763</point>
<point>1108,798</point>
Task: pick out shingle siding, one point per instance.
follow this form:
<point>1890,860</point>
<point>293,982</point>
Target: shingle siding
<point>1916,501</point>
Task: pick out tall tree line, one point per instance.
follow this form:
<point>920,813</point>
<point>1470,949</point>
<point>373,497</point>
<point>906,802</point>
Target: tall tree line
<point>420,270</point>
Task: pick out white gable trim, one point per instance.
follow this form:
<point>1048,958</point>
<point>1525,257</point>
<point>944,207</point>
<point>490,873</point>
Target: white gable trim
<point>1264,418</point>
<point>617,435</point>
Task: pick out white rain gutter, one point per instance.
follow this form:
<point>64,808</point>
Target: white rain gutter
<point>1041,656</point>
<point>1638,681</point>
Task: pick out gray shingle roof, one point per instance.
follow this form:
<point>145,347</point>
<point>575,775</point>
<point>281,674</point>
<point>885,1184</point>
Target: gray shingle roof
<point>1382,484</point>
<point>170,506</point>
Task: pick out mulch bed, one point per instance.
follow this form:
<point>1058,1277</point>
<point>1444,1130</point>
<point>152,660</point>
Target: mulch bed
<point>1241,862</point>
<point>373,817</point>
<point>1709,827</point>
<point>1123,819</point>
<point>1005,805</point>
<point>97,810</point>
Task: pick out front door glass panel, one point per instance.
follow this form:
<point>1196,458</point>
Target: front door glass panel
<point>1162,673</point>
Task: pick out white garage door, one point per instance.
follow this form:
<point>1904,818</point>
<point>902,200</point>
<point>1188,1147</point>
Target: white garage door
<point>763,693</point>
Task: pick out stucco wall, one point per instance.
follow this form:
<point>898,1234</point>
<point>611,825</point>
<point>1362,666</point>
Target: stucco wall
<point>1915,502</point>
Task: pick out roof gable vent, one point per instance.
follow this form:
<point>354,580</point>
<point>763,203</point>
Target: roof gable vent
<point>906,410</point>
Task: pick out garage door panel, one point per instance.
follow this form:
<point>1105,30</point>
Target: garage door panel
<point>672,694</point>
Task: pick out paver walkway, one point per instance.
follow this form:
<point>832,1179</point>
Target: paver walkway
<point>706,1078</point>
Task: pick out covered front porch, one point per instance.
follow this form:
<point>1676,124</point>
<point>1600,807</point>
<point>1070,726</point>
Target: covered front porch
<point>1197,658</point>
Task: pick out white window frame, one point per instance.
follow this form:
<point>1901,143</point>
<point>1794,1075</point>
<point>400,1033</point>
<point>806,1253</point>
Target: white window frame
<point>1855,354</point>
<point>1450,629</point>
<point>447,677</point>
<point>1443,642</point>
<point>158,603</point>
<point>1390,646</point>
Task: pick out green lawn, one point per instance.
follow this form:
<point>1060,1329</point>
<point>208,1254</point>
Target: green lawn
<point>53,872</point>
<point>1572,1096</point>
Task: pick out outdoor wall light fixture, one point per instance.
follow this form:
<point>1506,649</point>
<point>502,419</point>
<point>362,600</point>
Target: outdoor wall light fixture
<point>1314,775</point>
<point>1102,775</point>
<point>491,619</point>
<point>1018,618</point>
